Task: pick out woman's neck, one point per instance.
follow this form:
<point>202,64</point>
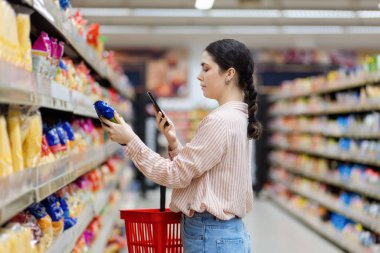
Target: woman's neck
<point>232,95</point>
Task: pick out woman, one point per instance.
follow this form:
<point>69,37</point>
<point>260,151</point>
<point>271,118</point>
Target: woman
<point>210,176</point>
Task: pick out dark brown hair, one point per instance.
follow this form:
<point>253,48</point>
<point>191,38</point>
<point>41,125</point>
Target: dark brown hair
<point>229,53</point>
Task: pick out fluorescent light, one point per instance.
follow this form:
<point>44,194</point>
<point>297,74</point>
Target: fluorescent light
<point>105,12</point>
<point>167,13</point>
<point>118,29</point>
<point>368,14</point>
<point>363,29</point>
<point>318,14</point>
<point>245,13</point>
<point>204,4</point>
<point>312,29</point>
<point>248,30</point>
<point>184,30</point>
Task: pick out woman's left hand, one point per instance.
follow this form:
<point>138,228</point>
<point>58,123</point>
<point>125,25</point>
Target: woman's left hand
<point>119,132</point>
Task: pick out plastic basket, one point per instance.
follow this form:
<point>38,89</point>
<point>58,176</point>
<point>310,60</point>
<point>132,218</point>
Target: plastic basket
<point>152,231</point>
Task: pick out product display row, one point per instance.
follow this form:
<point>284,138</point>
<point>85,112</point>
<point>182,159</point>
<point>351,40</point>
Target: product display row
<point>325,160</point>
<point>42,226</point>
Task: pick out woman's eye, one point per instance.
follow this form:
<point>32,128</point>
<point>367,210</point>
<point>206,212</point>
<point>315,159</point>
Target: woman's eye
<point>205,70</point>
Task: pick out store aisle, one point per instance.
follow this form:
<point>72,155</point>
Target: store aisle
<point>272,230</point>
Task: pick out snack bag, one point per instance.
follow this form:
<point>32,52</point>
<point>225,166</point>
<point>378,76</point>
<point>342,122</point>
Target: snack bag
<point>5,149</point>
<point>32,143</point>
<point>55,211</point>
<point>103,109</point>
<point>14,130</point>
<point>44,222</point>
<point>46,154</point>
<point>54,142</point>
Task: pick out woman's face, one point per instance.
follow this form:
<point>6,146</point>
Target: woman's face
<point>212,80</point>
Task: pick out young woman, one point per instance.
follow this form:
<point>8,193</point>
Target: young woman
<point>210,176</point>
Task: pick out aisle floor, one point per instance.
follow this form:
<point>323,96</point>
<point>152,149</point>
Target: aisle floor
<point>272,230</point>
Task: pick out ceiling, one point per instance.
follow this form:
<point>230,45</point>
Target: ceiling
<point>259,23</point>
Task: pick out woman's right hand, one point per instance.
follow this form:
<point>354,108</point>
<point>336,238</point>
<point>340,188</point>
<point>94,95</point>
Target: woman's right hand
<point>167,131</point>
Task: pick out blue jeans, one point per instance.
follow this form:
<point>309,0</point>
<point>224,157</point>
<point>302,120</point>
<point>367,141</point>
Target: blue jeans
<point>204,233</point>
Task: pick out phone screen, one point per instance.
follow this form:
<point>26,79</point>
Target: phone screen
<point>158,109</point>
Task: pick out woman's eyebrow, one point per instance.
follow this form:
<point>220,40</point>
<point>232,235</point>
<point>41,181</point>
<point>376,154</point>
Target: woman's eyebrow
<point>204,64</point>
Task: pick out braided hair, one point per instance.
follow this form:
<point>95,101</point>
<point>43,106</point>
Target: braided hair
<point>229,53</point>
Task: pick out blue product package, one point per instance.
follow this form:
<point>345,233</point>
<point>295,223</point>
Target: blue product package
<point>37,210</point>
<point>105,110</point>
<point>53,140</point>
<point>69,130</point>
<point>52,208</point>
<point>68,222</point>
<point>64,4</point>
<point>61,134</point>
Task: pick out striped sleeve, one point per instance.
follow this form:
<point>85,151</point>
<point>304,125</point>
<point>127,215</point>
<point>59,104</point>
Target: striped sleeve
<point>173,153</point>
<point>204,152</point>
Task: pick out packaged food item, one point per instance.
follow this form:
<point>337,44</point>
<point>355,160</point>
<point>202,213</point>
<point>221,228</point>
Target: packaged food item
<point>55,211</point>
<point>32,143</point>
<point>14,130</point>
<point>103,109</point>
<point>5,149</point>
<point>41,51</point>
<point>54,142</point>
<point>23,30</point>
<point>20,238</point>
<point>62,137</point>
<point>9,45</point>
<point>46,154</point>
<point>70,134</point>
<point>29,221</point>
<point>44,222</point>
<point>68,220</point>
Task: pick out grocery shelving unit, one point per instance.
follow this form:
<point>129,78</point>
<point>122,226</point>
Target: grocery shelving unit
<point>295,170</point>
<point>44,180</point>
<point>319,227</point>
<point>20,87</point>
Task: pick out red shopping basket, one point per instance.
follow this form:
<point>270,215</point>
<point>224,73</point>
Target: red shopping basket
<point>153,230</point>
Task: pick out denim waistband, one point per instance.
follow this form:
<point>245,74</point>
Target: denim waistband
<point>205,215</point>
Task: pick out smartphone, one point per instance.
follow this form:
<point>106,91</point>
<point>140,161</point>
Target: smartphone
<point>158,109</point>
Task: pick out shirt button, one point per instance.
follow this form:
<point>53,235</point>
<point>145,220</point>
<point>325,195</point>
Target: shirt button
<point>188,206</point>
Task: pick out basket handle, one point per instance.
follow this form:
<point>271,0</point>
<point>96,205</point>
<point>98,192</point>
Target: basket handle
<point>162,198</point>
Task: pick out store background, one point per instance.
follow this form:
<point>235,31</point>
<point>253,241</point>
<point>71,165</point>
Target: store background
<point>156,45</point>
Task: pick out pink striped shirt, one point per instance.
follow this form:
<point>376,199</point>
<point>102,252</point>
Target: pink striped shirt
<point>212,172</point>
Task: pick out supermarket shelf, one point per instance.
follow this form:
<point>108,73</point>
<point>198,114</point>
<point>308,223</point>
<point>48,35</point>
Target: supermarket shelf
<point>108,221</point>
<point>33,185</point>
<point>373,79</point>
<point>373,192</point>
<point>333,205</point>
<point>331,110</point>
<point>52,15</point>
<point>352,135</point>
<point>342,156</point>
<point>319,227</point>
<point>67,241</point>
<point>49,13</point>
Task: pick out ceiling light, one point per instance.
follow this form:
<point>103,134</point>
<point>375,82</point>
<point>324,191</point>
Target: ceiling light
<point>105,12</point>
<point>183,30</point>
<point>167,13</point>
<point>363,29</point>
<point>368,14</point>
<point>245,13</point>
<point>312,29</point>
<point>204,4</point>
<point>318,14</point>
<point>118,29</point>
<point>248,30</point>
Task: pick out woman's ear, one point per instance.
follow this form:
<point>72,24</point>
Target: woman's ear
<point>230,74</point>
